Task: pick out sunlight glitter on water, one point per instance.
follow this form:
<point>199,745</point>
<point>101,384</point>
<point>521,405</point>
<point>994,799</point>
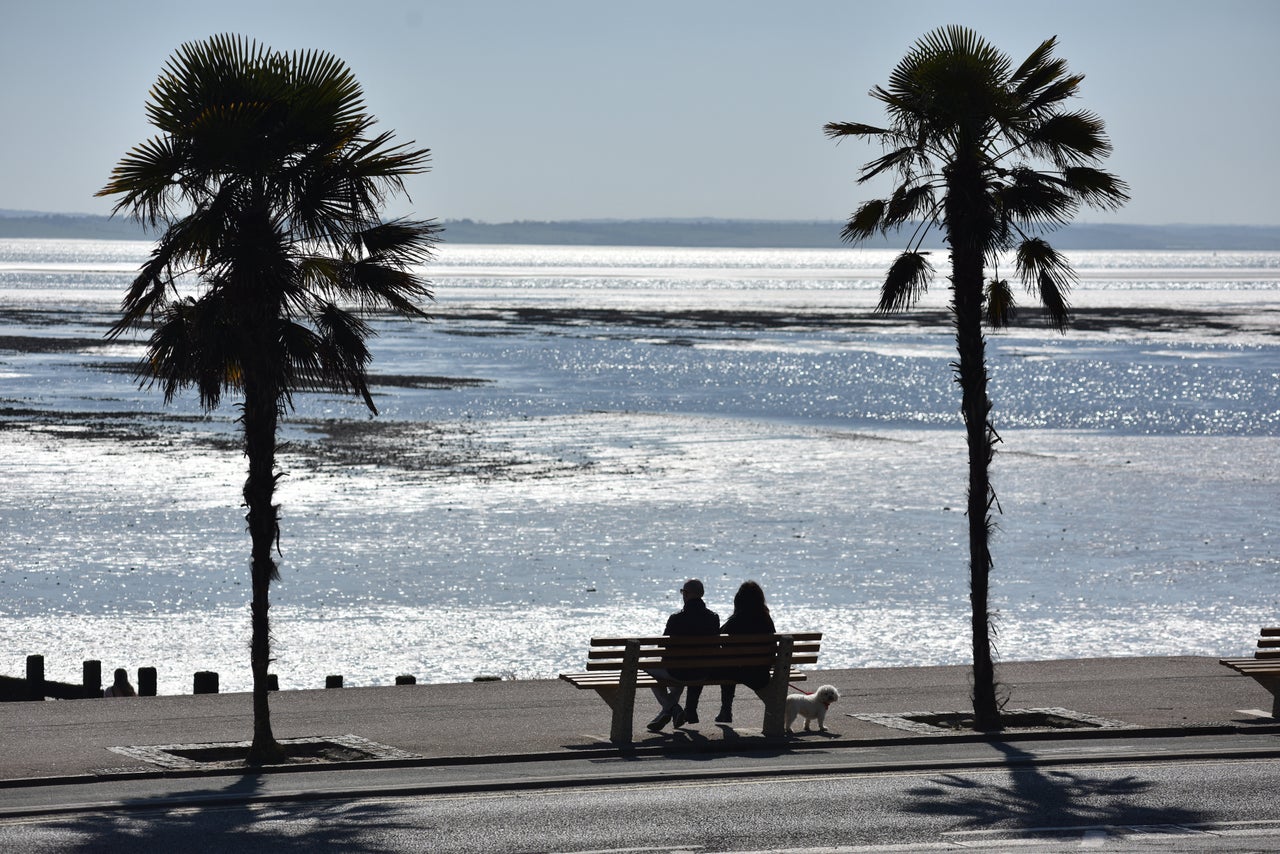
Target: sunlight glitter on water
<point>1110,546</point>
<point>596,465</point>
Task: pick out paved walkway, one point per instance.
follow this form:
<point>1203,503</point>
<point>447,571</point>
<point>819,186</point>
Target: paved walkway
<point>68,740</point>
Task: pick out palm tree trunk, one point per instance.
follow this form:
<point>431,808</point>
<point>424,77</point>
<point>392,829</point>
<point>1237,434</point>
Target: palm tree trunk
<point>965,221</point>
<point>261,414</point>
<point>972,374</point>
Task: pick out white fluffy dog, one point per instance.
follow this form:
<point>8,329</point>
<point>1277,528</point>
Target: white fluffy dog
<point>811,706</point>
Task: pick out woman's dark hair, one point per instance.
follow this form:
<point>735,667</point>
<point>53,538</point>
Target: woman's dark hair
<point>749,599</point>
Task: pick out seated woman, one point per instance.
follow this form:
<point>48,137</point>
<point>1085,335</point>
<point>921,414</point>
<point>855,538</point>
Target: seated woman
<point>750,617</point>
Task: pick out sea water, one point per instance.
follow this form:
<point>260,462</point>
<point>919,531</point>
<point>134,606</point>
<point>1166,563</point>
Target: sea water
<point>577,430</point>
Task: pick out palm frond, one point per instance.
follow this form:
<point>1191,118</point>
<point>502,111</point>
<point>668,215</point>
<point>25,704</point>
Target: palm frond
<point>404,241</point>
<point>910,203</point>
<point>865,222</point>
<point>223,69</point>
<point>1038,68</point>
<point>907,280</point>
<point>900,159</point>
<point>344,356</point>
<point>1048,276</point>
<point>297,360</point>
<point>144,179</point>
<point>999,301</point>
<point>194,345</point>
<point>1095,187</point>
<point>838,130</point>
<point>182,247</point>
<point>1054,93</point>
<point>1069,139</point>
<point>949,85</point>
<point>375,285</point>
<point>378,159</point>
<point>1053,300</point>
<point>1035,199</point>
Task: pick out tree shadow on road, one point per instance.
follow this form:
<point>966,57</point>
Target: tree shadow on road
<point>1036,796</point>
<point>227,818</point>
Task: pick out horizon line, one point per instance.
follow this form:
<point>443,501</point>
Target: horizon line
<point>15,213</point>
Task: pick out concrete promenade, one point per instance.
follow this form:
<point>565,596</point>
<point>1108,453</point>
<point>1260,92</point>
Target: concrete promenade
<point>72,741</point>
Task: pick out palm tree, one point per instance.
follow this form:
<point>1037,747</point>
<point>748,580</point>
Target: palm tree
<point>989,154</point>
<point>267,181</point>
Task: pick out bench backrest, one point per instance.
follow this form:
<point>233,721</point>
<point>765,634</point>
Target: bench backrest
<point>1269,643</point>
<point>703,651</point>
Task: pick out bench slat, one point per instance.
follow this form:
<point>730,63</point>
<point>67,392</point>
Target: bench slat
<point>706,659</point>
<point>1252,665</point>
<point>712,662</point>
<point>685,640</point>
<point>702,651</point>
<point>681,641</point>
<point>610,680</point>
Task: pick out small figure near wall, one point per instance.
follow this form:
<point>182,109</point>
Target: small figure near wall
<point>120,687</point>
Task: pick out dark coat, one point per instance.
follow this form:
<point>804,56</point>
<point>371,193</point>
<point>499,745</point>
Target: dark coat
<point>748,624</point>
<point>695,619</point>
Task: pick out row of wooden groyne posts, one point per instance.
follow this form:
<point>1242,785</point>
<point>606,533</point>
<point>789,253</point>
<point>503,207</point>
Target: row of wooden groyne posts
<point>36,687</point>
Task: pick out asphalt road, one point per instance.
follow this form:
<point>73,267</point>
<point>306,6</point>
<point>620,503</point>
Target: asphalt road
<point>1190,794</point>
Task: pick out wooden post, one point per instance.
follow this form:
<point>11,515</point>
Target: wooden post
<point>333,681</point>
<point>35,677</point>
<point>146,681</point>
<point>624,705</point>
<point>406,679</point>
<point>92,678</point>
<point>205,682</point>
<point>273,682</point>
<point>775,693</point>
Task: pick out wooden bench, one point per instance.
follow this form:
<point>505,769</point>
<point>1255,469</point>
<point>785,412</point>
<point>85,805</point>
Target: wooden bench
<point>616,667</point>
<point>1264,666</point>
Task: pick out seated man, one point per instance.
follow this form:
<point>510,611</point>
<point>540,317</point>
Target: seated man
<point>694,619</point>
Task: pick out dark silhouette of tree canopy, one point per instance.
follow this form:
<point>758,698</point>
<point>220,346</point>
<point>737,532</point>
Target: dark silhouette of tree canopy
<point>989,153</point>
<point>267,180</point>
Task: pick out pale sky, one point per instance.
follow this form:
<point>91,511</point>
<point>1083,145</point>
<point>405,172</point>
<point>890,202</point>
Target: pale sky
<point>577,109</point>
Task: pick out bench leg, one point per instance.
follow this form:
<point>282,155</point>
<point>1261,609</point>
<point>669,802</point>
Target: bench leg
<point>1272,684</point>
<point>775,693</point>
<point>624,700</point>
<point>609,694</point>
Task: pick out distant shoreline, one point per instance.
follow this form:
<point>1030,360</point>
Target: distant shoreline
<point>706,233</point>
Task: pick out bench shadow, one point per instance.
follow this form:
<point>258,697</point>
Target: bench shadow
<point>1040,797</point>
<point>693,744</point>
<point>816,733</point>
<point>214,817</point>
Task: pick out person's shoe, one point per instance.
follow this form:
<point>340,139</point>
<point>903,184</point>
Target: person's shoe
<point>691,716</point>
<point>677,717</point>
<point>725,716</point>
<point>659,722</point>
